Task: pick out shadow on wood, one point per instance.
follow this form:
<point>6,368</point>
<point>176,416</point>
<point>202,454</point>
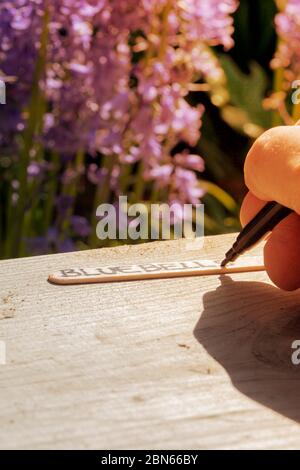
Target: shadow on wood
<point>249,327</point>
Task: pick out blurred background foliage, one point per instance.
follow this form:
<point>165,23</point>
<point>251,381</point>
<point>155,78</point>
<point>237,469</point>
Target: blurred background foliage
<point>235,114</point>
<point>229,129</point>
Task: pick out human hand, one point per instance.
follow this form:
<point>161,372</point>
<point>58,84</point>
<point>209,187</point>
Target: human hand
<point>272,173</point>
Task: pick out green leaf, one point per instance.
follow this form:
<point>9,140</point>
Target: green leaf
<point>247,92</point>
<point>222,196</point>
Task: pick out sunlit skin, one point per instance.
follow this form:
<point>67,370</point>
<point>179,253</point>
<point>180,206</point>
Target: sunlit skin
<point>272,172</point>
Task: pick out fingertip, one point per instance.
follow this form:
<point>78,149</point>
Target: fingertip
<point>272,163</point>
<point>257,162</point>
<point>250,207</point>
<point>282,254</point>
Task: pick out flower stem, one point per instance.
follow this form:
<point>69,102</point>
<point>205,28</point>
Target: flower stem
<point>296,112</point>
<point>138,189</point>
<point>28,139</point>
<point>164,32</point>
<point>101,196</point>
<point>52,188</point>
<point>71,190</point>
<point>278,83</point>
<point>125,172</point>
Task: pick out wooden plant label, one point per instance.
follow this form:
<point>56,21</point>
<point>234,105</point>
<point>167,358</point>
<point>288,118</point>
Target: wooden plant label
<point>157,270</point>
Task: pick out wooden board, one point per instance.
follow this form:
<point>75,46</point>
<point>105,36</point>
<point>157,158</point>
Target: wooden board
<point>199,362</point>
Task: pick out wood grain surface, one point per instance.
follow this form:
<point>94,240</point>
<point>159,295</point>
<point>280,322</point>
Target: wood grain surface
<point>187,363</point>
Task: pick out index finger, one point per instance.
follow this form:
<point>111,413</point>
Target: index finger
<point>272,167</point>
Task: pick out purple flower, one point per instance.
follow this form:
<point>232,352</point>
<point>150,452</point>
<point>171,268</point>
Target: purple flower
<point>64,203</point>
<point>186,186</point>
<point>115,80</point>
<point>191,161</point>
<point>160,174</point>
<point>65,246</point>
<point>95,174</point>
<point>288,28</point>
<point>80,226</point>
<point>88,70</point>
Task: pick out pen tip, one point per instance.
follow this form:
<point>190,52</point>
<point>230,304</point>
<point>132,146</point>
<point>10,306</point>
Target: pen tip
<point>230,256</point>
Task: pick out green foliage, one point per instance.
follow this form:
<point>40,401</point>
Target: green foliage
<point>221,210</point>
<point>246,92</point>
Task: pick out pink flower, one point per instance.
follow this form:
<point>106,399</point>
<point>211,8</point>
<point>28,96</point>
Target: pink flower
<point>191,161</point>
<point>117,75</point>
<point>288,28</point>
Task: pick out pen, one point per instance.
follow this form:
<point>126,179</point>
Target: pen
<point>266,219</point>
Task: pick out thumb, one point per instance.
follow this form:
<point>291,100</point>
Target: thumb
<point>272,167</point>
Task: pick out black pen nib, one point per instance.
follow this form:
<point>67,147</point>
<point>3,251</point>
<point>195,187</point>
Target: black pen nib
<point>231,255</point>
